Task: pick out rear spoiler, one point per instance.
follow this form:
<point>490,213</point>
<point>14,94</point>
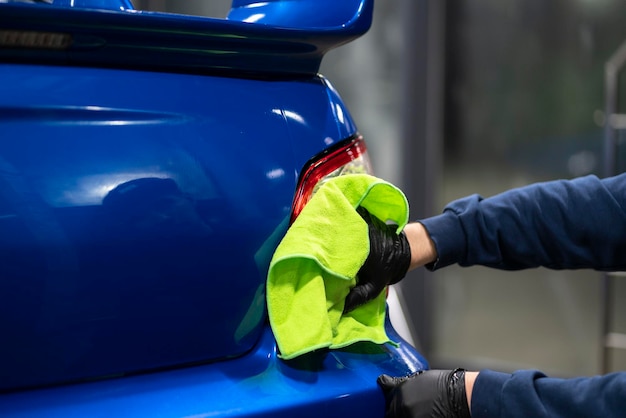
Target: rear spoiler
<point>276,38</point>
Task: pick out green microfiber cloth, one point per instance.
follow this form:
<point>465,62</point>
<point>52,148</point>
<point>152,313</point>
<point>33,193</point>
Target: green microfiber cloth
<point>315,266</point>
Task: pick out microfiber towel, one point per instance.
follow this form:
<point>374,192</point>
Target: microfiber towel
<point>316,263</point>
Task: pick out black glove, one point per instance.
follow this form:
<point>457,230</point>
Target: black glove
<point>429,394</point>
<point>388,261</point>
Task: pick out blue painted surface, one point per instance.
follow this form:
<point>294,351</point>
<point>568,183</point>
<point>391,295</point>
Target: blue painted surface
<point>133,216</point>
<point>139,211</point>
<point>340,384</point>
<point>321,14</point>
<point>289,41</point>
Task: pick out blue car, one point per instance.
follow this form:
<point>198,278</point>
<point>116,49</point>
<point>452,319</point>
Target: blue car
<point>149,165</point>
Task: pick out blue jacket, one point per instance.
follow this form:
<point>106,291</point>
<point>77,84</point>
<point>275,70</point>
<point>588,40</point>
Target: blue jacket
<point>564,224</point>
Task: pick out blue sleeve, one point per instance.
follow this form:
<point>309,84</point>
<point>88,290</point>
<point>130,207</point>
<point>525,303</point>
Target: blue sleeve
<point>532,394</point>
<point>563,224</point>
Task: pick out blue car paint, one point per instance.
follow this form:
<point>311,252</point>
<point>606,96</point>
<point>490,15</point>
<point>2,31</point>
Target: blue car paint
<point>139,204</point>
<point>342,15</point>
<point>124,197</point>
<point>153,41</point>
<point>340,383</point>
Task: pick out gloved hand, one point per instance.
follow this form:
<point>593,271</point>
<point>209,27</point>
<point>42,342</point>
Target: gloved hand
<point>388,261</point>
<point>428,394</point>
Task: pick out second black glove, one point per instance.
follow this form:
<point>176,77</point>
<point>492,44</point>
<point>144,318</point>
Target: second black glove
<point>429,394</point>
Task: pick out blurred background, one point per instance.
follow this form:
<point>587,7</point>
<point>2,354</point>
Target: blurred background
<point>458,97</point>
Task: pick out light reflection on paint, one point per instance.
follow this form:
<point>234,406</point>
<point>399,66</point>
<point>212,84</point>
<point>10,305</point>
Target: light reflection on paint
<point>254,18</point>
<point>290,114</point>
<point>90,190</point>
<point>294,116</point>
<point>259,4</point>
<point>275,174</point>
<point>340,116</point>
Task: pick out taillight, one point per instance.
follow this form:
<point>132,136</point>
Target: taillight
<point>347,157</point>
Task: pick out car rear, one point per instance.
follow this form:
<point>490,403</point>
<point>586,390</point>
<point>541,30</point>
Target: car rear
<point>149,165</point>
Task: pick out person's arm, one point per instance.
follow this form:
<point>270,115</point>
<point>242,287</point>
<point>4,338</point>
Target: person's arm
<point>423,249</point>
<point>470,379</point>
<point>530,393</point>
<point>559,224</point>
<point>489,394</point>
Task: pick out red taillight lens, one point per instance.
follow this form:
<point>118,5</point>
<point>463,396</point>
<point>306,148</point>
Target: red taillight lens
<point>347,157</point>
